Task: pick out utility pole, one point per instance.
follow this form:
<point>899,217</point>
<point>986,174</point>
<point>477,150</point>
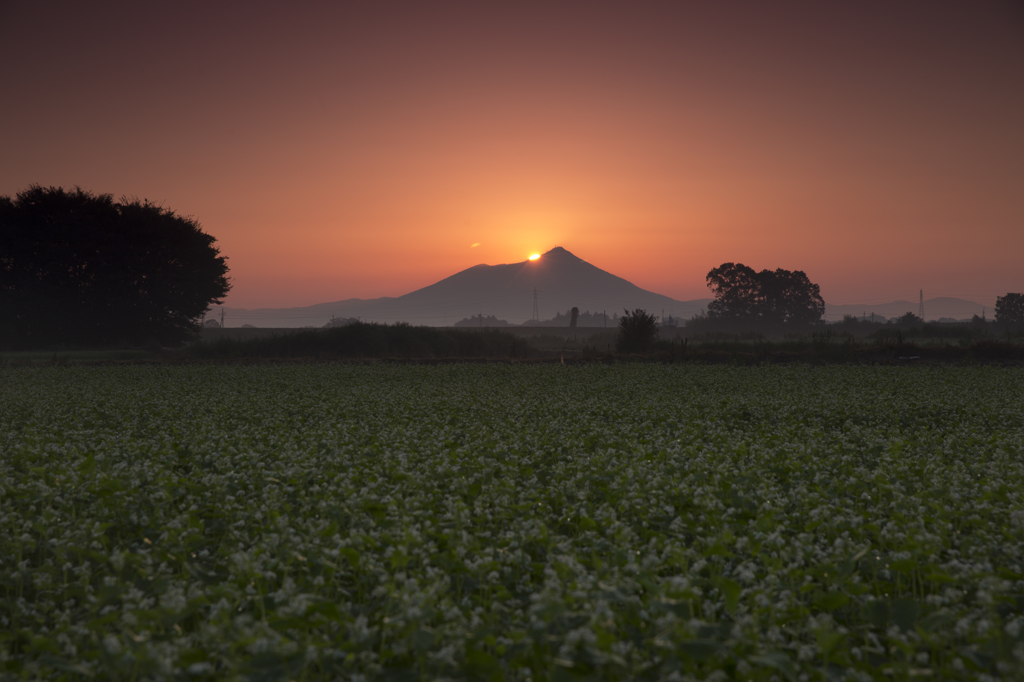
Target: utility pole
<point>481,319</point>
<point>536,313</point>
<point>222,318</point>
<point>605,314</point>
<point>920,305</point>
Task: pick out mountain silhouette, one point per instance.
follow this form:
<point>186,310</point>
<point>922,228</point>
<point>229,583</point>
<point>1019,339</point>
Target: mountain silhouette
<point>560,279</point>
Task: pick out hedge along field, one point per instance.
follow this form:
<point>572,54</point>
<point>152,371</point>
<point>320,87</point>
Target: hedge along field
<point>515,522</point>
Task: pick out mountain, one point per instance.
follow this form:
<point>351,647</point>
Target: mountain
<point>560,279</point>
<point>934,308</point>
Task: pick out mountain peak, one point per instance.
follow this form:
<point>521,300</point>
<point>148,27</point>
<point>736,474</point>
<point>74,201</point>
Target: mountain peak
<point>554,283</point>
<point>559,252</point>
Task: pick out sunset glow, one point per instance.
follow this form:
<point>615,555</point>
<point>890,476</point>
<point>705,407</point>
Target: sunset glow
<point>349,151</point>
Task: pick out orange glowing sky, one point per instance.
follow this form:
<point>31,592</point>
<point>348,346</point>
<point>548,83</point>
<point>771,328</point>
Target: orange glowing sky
<point>367,151</point>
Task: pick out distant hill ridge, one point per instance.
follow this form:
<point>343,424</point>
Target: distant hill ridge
<point>561,280</point>
<point>934,308</point>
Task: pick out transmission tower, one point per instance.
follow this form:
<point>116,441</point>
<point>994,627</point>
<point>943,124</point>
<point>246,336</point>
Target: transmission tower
<point>920,304</point>
<point>536,314</point>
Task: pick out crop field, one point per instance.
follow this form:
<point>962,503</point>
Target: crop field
<point>517,522</point>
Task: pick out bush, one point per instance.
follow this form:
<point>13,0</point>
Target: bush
<point>637,331</point>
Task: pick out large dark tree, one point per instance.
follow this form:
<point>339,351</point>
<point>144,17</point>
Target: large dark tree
<point>79,269</point>
<point>770,299</point>
<point>1010,309</point>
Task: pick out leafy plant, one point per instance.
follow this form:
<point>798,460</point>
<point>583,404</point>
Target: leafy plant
<point>468,521</point>
<point>637,331</point>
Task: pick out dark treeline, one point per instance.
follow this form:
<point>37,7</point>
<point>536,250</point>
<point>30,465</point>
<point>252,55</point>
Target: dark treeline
<point>911,326</point>
<point>830,348</point>
<point>866,331</point>
<point>780,303</point>
<point>371,340</point>
<point>568,319</point>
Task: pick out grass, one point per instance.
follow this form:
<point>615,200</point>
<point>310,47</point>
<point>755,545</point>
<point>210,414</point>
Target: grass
<point>541,522</point>
<point>79,355</point>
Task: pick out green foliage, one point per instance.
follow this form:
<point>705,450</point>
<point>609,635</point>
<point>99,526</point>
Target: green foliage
<point>637,332</point>
<point>493,521</point>
<point>371,340</point>
<point>79,269</point>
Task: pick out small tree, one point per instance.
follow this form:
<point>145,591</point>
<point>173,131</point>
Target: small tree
<point>574,316</point>
<point>78,268</point>
<point>1010,309</point>
<point>908,319</point>
<point>637,331</point>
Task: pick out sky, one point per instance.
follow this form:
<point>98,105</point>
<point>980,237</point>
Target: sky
<point>358,150</point>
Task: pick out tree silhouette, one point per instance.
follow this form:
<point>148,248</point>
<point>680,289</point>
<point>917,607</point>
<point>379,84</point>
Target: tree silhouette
<point>637,330</point>
<point>1010,309</point>
<point>770,299</point>
<point>80,269</point>
<point>574,316</point>
<point>908,319</point>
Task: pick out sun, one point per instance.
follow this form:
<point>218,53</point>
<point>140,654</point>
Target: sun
<point>534,256</point>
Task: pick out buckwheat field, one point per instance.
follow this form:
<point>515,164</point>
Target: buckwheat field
<point>517,522</point>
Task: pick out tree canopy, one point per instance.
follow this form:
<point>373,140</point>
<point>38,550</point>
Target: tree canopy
<point>1010,309</point>
<point>79,269</point>
<point>770,299</point>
